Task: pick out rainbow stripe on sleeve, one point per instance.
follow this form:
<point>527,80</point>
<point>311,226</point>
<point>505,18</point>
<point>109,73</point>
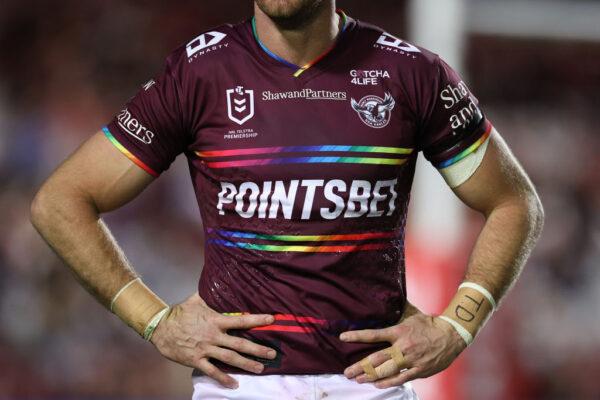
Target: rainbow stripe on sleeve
<point>127,153</point>
<point>468,150</point>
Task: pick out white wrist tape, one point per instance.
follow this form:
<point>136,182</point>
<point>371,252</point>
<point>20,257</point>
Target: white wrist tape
<point>139,307</point>
<point>465,334</point>
<point>120,292</point>
<point>481,290</point>
<point>154,323</point>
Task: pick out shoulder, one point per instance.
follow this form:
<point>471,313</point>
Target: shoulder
<point>208,49</point>
<point>395,51</point>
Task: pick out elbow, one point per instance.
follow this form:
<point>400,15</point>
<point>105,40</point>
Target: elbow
<point>57,204</point>
<point>40,208</point>
<point>537,215</point>
<point>534,212</point>
<point>524,213</point>
<point>49,206</point>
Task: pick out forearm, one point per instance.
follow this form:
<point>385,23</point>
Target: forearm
<point>72,227</point>
<point>510,232</point>
<point>504,244</point>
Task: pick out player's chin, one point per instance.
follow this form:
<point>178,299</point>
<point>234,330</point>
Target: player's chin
<point>287,9</point>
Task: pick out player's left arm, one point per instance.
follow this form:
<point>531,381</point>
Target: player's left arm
<point>423,345</point>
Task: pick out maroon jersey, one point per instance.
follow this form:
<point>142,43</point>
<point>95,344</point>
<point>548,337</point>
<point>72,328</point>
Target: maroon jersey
<point>302,176</point>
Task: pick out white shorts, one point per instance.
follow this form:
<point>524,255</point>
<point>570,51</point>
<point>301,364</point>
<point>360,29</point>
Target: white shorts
<point>297,387</point>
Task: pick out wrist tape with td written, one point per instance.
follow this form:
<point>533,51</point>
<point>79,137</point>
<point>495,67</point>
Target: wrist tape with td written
<point>469,310</point>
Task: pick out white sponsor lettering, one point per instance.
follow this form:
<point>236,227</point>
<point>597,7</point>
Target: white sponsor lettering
<point>340,186</point>
<point>356,199</point>
<point>254,192</point>
<point>453,96</point>
<point>311,187</point>
<point>133,127</point>
<point>282,199</point>
<point>379,197</point>
<point>264,199</point>
<point>362,198</point>
<point>225,196</point>
<point>368,77</point>
<point>308,94</point>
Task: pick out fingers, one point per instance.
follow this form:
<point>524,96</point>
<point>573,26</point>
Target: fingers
<point>369,336</point>
<point>375,359</point>
<point>400,379</point>
<point>210,370</point>
<point>379,365</point>
<point>248,321</point>
<point>384,370</point>
<point>232,358</point>
<point>245,346</point>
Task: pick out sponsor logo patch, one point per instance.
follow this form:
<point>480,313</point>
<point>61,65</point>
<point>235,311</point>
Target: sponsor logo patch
<point>373,110</point>
<point>391,43</point>
<point>240,104</point>
<point>205,43</point>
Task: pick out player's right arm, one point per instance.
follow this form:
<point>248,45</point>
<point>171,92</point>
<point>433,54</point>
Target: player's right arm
<point>66,211</point>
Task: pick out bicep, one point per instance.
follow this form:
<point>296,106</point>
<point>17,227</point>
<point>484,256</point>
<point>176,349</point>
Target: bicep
<point>99,173</point>
<point>499,179</point>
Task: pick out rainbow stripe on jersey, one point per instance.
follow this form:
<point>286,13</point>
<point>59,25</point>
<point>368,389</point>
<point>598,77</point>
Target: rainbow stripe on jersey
<point>305,324</point>
<point>394,155</point>
<point>228,239</point>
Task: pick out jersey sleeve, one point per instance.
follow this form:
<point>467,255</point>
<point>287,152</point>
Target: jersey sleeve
<point>150,130</point>
<point>452,125</point>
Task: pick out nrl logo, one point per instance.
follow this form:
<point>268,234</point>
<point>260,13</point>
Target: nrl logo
<point>374,111</point>
<point>240,104</point>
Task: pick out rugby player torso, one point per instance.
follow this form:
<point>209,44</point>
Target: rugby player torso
<point>302,176</point>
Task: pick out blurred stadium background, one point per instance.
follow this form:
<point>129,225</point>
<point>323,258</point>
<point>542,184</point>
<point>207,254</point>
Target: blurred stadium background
<point>66,67</point>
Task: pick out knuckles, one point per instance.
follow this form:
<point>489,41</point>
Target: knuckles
<point>398,330</point>
<point>201,349</point>
<point>238,343</point>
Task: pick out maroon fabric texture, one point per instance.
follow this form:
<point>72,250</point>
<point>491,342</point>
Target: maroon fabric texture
<point>263,208</point>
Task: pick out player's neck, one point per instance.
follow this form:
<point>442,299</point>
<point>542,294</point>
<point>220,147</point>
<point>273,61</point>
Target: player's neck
<point>299,45</point>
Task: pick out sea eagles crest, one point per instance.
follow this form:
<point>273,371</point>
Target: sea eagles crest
<point>374,111</point>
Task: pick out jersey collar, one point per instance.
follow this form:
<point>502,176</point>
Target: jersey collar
<point>298,70</point>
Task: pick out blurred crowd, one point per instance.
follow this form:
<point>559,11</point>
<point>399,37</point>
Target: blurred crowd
<point>65,69</point>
